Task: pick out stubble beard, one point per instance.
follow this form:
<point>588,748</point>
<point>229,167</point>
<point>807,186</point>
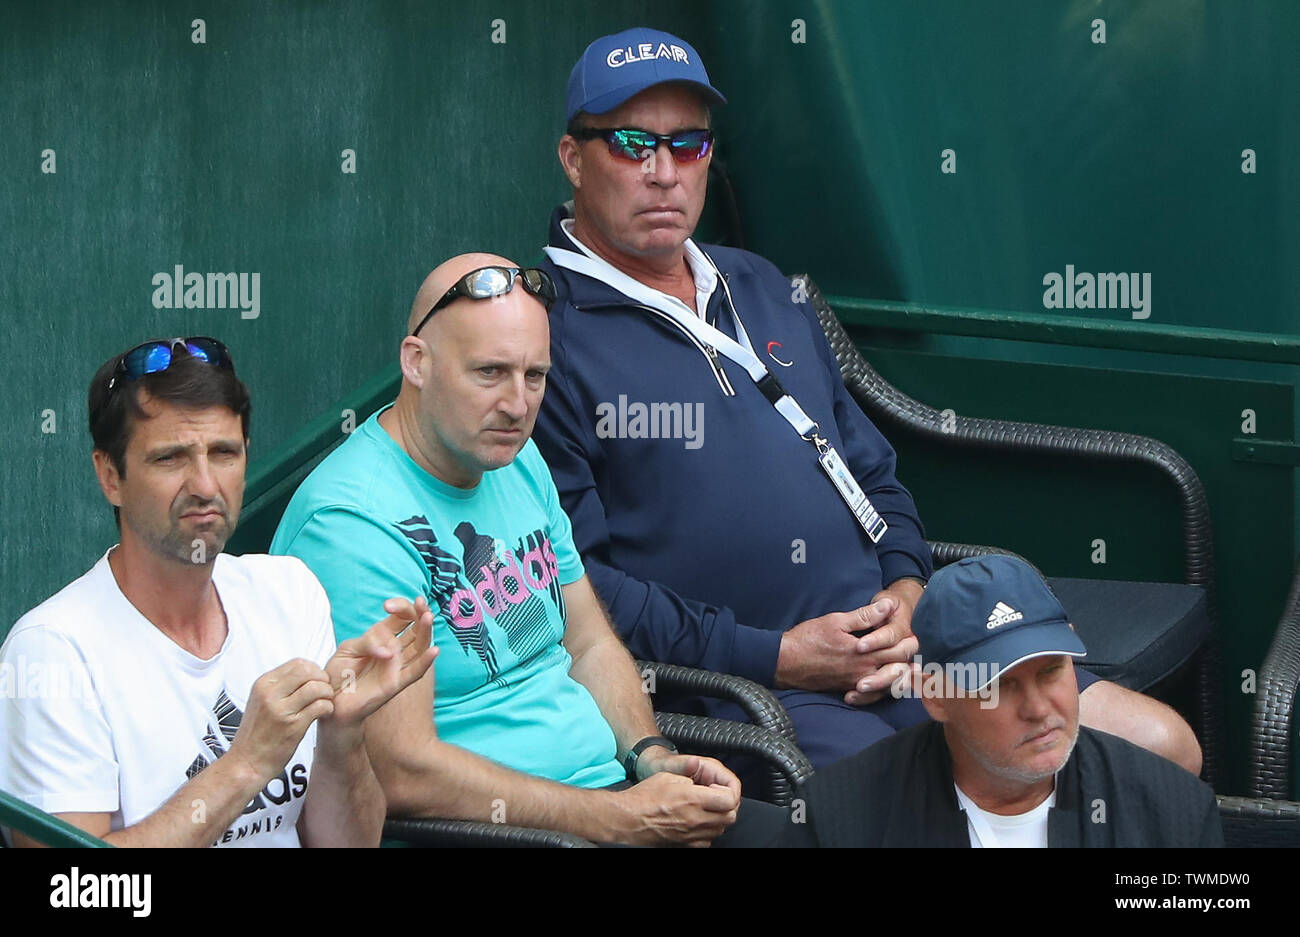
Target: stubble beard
<point>1013,772</point>
<point>176,545</point>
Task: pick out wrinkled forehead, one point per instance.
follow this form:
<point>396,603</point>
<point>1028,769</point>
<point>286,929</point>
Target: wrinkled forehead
<point>511,326</point>
<point>166,423</point>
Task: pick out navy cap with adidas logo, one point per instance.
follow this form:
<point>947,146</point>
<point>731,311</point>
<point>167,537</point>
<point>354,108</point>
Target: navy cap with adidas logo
<point>992,611</point>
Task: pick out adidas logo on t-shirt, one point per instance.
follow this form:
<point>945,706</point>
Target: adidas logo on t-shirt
<point>1002,614</point>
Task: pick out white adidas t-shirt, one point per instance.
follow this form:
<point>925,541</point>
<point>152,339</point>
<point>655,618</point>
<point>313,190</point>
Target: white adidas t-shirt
<point>1026,830</point>
<point>100,712</point>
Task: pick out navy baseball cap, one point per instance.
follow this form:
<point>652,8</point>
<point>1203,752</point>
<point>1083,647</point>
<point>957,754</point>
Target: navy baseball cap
<point>993,612</point>
<point>614,68</point>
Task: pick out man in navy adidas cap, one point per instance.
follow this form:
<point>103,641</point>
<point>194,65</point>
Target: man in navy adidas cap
<point>991,623</point>
<point>1005,762</point>
<point>972,647</point>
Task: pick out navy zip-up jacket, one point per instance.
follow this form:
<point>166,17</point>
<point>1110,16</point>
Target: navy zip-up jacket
<point>707,547</point>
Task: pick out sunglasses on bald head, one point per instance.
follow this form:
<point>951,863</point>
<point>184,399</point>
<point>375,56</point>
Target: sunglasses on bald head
<point>159,355</point>
<point>637,145</point>
<point>490,282</point>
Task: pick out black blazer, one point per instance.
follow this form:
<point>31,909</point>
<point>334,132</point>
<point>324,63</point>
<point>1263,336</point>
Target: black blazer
<point>899,792</point>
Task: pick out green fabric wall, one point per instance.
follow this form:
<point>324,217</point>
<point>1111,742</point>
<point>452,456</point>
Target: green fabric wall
<point>1117,156</point>
<point>226,156</point>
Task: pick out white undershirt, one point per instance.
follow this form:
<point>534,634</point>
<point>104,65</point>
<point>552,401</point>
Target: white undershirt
<point>1020,831</point>
<point>706,281</point>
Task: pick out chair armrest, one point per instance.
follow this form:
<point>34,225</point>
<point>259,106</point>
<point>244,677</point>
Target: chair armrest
<point>427,831</point>
<point>1271,723</point>
<point>707,736</point>
<point>1259,822</point>
<point>699,734</point>
<point>947,553</point>
<point>758,702</point>
<point>878,396</point>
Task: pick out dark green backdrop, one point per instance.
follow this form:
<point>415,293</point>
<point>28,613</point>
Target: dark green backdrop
<point>1124,156</point>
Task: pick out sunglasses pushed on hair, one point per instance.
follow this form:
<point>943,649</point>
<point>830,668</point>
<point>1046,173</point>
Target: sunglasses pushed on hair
<point>637,145</point>
<point>158,355</point>
<point>491,282</point>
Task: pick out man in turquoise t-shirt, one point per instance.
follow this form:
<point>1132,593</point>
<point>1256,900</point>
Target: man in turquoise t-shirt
<point>493,561</point>
<point>539,709</point>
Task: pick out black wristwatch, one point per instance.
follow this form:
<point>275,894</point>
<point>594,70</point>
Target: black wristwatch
<point>629,760</point>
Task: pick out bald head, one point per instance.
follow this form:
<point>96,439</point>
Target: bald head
<point>474,377</point>
<point>442,278</point>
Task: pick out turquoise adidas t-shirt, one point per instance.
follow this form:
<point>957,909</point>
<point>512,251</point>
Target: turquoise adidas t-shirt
<point>371,524</point>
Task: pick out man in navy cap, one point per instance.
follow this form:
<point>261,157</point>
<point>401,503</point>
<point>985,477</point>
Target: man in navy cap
<point>734,507</point>
<point>1005,762</point>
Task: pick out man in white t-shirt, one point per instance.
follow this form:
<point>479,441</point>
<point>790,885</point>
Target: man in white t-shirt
<point>1005,762</point>
<point>178,696</point>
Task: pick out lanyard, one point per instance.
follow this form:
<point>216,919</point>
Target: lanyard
<point>742,353</point>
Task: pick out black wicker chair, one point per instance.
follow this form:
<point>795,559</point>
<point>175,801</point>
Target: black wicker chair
<point>1259,822</point>
<point>757,702</point>
<point>1169,624</point>
<point>1273,728</point>
<point>429,832</point>
<point>945,553</point>
<point>696,734</point>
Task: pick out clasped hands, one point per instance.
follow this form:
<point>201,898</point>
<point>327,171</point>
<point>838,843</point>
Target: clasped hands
<point>860,653</point>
